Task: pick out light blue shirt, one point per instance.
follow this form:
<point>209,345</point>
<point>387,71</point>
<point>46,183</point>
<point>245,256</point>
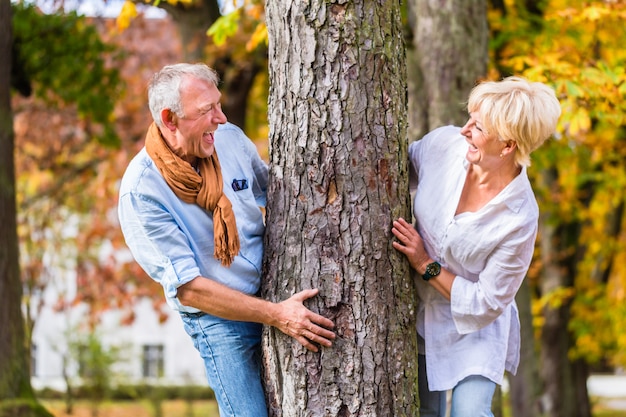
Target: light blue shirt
<point>478,331</point>
<point>173,240</point>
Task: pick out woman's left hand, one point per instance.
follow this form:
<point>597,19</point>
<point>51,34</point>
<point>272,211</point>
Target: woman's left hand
<point>410,243</point>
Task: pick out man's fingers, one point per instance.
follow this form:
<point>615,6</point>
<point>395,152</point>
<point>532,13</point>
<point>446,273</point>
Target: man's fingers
<point>321,321</point>
<point>321,335</point>
<point>313,317</point>
<point>309,336</point>
<point>305,294</point>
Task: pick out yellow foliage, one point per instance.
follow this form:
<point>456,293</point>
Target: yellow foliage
<point>248,18</point>
<point>580,122</point>
<point>588,344</point>
<point>259,36</point>
<point>555,298</point>
<point>594,13</point>
<point>127,14</point>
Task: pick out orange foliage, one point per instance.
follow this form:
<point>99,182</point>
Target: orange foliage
<point>67,183</point>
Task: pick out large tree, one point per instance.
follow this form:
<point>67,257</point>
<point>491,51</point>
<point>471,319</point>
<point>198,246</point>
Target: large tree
<point>338,177</point>
<point>16,394</point>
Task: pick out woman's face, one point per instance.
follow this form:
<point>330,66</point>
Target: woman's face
<point>483,146</point>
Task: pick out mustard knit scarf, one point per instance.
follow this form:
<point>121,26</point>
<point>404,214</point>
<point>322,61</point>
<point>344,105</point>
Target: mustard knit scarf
<point>205,189</point>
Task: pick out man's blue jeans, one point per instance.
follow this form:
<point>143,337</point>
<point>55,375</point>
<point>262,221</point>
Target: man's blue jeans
<point>232,359</point>
<point>470,398</point>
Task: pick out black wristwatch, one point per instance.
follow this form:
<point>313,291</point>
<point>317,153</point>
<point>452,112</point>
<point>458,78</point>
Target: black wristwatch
<point>432,270</point>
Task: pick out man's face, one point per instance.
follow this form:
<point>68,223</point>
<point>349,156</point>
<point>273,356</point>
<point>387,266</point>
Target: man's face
<point>203,114</point>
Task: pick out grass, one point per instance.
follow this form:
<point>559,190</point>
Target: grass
<point>142,408</point>
<point>602,411</point>
<point>180,408</point>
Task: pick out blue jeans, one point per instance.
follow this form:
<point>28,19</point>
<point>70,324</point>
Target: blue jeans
<point>231,351</point>
<point>470,398</point>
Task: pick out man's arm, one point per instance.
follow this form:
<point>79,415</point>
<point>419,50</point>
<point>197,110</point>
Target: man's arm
<point>289,316</point>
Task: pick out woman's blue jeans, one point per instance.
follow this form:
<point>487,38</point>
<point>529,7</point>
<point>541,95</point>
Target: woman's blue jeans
<point>231,351</point>
<point>470,398</point>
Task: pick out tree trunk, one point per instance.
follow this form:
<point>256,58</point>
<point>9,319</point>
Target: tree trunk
<point>16,394</point>
<point>524,389</point>
<point>451,55</point>
<point>338,177</point>
<point>565,393</point>
<point>565,382</point>
<point>193,20</point>
<point>14,376</point>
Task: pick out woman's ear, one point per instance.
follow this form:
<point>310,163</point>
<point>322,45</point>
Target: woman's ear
<point>169,119</point>
<point>511,145</point>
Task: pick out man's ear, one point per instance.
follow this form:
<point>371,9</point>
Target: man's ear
<point>169,119</point>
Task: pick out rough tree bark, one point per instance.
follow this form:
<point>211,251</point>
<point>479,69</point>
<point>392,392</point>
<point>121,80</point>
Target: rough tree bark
<point>16,394</point>
<point>338,177</point>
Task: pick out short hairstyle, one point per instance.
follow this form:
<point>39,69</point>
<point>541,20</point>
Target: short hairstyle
<point>164,87</point>
<point>515,109</point>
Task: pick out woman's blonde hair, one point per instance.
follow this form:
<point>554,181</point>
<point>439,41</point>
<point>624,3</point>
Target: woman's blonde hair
<point>515,109</point>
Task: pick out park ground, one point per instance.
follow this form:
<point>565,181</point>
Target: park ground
<point>608,392</point>
<point>143,408</point>
<point>608,395</point>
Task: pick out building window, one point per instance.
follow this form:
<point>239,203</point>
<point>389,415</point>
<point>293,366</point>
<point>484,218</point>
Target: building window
<point>33,359</point>
<point>152,361</point>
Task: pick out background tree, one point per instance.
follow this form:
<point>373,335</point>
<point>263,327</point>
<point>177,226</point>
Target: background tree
<point>60,59</point>
<point>96,366</point>
<point>16,394</point>
<point>578,280</point>
<point>338,177</point>
<point>448,55</point>
<point>238,66</point>
<point>64,63</point>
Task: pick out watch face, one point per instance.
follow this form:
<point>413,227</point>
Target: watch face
<point>433,269</point>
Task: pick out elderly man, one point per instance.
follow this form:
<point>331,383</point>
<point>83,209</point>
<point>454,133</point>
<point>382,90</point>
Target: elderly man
<point>193,222</point>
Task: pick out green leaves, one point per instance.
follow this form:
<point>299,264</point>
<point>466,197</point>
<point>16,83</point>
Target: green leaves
<point>225,27</point>
<point>67,62</point>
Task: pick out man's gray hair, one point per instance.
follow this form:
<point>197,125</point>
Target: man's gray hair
<point>164,88</point>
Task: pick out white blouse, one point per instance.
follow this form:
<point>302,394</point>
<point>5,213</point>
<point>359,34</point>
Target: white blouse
<point>478,331</point>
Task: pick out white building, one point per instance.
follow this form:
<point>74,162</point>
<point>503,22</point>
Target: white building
<point>152,352</point>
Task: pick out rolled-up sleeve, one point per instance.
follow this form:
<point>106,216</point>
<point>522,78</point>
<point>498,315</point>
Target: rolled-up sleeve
<point>476,304</point>
<point>157,244</point>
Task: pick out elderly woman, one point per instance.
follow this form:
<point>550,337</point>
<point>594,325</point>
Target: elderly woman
<point>473,241</point>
